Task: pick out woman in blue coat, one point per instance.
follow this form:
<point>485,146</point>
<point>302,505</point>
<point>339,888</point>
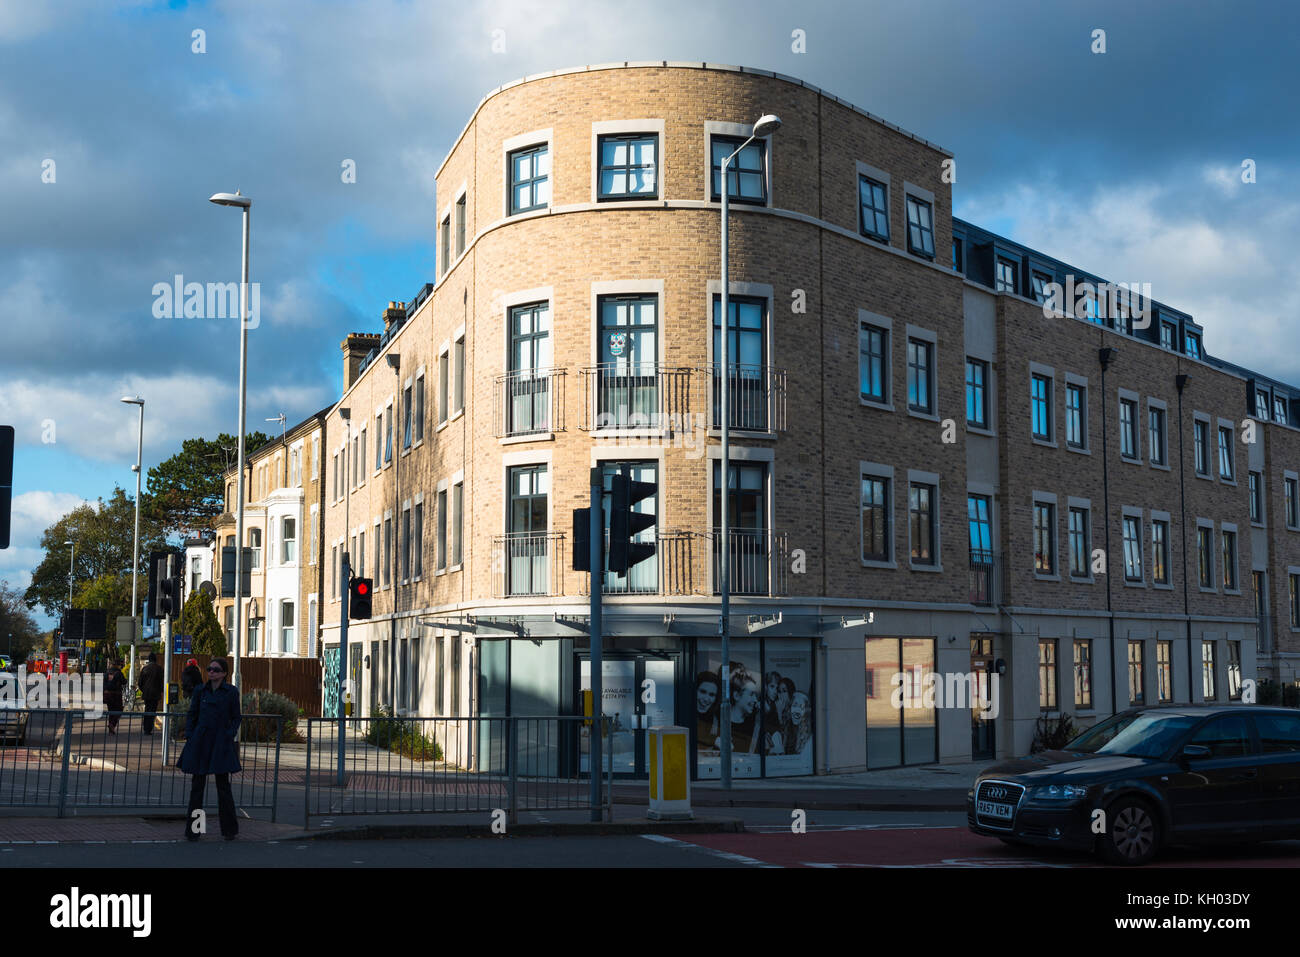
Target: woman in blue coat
<point>211,730</point>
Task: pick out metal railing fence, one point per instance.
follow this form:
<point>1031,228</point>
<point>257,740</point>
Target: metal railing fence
<point>413,765</point>
<point>67,760</point>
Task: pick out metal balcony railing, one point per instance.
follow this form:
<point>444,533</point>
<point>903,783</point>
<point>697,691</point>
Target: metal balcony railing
<point>528,564</point>
<point>529,402</point>
<point>987,578</point>
<point>646,395</point>
<point>758,561</point>
<point>757,397</point>
<point>671,571</point>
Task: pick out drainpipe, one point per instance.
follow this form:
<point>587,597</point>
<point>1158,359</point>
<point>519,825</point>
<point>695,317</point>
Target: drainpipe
<point>1105,356</point>
<point>1180,381</point>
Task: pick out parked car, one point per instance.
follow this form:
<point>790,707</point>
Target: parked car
<point>1158,776</point>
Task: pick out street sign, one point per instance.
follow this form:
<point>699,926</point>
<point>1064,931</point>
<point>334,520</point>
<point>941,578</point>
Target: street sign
<point>181,644</point>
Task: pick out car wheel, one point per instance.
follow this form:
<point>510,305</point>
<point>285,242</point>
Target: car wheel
<point>1132,835</point>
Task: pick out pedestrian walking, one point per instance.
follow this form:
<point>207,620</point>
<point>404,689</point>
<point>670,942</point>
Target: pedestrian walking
<point>114,682</point>
<point>211,729</point>
<point>151,687</point>
<point>191,677</point>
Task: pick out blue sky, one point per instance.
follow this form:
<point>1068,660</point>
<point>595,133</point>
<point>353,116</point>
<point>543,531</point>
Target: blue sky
<point>1126,164</point>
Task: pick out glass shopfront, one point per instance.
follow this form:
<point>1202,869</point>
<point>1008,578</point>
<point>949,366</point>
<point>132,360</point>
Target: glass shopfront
<point>771,693</point>
<point>901,727</point>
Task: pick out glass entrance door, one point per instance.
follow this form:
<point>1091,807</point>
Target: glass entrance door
<point>639,694</point>
<point>983,738</point>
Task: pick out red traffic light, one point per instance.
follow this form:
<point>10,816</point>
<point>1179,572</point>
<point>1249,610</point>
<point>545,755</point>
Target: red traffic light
<point>363,588</point>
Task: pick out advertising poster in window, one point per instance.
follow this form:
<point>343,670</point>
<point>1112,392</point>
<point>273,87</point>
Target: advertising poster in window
<point>787,707</point>
<point>748,695</point>
<point>618,684</point>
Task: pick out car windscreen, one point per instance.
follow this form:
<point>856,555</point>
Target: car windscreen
<point>1146,734</point>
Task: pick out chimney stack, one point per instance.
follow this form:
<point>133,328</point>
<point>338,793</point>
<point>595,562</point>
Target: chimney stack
<point>394,316</point>
<point>355,347</point>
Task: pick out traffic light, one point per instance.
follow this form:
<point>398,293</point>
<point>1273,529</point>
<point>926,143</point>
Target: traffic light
<point>359,597</point>
<point>582,540</point>
<point>168,587</point>
<point>625,524</point>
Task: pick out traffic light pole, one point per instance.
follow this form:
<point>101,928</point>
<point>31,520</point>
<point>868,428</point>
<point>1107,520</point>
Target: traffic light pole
<point>597,578</point>
<point>346,587</point>
<point>166,628</point>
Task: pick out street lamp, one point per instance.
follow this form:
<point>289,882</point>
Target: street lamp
<point>135,564</point>
<point>766,125</point>
<point>244,203</point>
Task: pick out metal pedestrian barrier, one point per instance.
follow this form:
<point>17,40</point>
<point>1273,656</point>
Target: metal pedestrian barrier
<point>413,765</point>
<point>77,760</point>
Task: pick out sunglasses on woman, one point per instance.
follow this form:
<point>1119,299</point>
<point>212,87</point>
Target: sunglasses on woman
<point>216,671</point>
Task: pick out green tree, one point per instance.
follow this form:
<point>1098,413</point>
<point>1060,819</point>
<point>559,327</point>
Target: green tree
<point>104,533</point>
<point>111,592</point>
<point>186,492</point>
<point>16,622</point>
<point>200,623</point>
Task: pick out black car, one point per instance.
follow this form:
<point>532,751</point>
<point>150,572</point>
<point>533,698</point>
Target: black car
<point>1149,777</point>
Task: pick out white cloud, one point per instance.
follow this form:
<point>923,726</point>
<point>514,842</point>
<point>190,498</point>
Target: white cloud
<point>33,513</point>
<point>1226,261</point>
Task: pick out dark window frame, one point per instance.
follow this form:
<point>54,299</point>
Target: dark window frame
<point>736,170</point>
<point>533,181</point>
<point>628,168</point>
<point>922,230</point>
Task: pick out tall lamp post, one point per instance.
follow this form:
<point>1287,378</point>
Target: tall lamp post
<point>135,564</point>
<point>67,619</point>
<point>244,203</point>
<point>767,124</point>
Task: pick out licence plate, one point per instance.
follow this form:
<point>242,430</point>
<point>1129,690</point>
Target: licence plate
<point>1003,812</point>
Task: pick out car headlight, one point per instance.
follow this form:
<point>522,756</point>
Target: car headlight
<point>1058,792</point>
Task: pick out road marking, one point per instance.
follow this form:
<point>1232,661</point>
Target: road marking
<point>780,828</point>
<point>725,855</point>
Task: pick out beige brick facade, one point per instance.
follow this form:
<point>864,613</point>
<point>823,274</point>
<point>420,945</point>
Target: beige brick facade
<point>802,257</point>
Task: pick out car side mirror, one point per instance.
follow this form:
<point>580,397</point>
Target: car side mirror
<point>1194,752</point>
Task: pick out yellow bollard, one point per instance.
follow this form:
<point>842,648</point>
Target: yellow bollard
<point>670,779</point>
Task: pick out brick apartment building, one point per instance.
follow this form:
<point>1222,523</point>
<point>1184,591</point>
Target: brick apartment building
<point>282,532</point>
<point>929,471</point>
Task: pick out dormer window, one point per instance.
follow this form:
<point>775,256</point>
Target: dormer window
<point>1169,336</point>
<point>1039,281</point>
<point>1006,276</point>
<point>1279,409</point>
<point>1192,345</point>
<point>1261,404</point>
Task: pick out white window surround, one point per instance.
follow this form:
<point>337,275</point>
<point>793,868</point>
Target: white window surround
<point>931,479</point>
<point>1046,498</point>
<point>1081,381</point>
<point>1232,450</point>
<point>920,192</point>
<point>887,324</point>
<point>1286,591</point>
<point>1236,555</point>
<point>510,145</point>
<point>626,287</point>
<point>714,128</point>
<point>877,470</point>
<point>752,290</point>
<point>1288,475</point>
<point>1133,511</point>
<point>1211,446</point>
<point>883,178</point>
<point>315,524</point>
<point>1084,503</point>
<point>1163,406</point>
<point>1128,394</point>
<point>458,336</point>
<point>511,460</point>
<point>601,128</point>
<point>448,216</point>
<point>1053,420</point>
<point>926,335</point>
<point>1214,562</point>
